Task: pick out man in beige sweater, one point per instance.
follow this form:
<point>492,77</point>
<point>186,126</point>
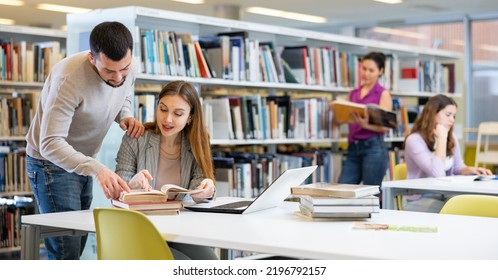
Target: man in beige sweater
<point>82,96</point>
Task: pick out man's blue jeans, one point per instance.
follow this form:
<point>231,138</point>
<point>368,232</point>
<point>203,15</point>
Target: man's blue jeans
<point>57,190</point>
<point>366,162</point>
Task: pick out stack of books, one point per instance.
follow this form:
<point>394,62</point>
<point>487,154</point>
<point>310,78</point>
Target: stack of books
<point>153,202</point>
<point>337,201</point>
<point>170,207</point>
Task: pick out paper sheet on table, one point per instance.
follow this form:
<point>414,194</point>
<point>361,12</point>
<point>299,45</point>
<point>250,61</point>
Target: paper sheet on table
<point>457,179</point>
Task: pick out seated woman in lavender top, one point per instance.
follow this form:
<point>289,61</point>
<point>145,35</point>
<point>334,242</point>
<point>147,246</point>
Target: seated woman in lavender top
<point>432,150</point>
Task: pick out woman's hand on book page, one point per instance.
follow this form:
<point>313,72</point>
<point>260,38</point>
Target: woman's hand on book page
<point>208,189</point>
<point>141,180</point>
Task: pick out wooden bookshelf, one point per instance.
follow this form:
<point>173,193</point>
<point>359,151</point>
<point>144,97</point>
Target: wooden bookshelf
<point>18,96</point>
<point>141,20</point>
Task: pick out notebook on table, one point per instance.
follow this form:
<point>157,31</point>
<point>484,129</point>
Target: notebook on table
<point>271,197</point>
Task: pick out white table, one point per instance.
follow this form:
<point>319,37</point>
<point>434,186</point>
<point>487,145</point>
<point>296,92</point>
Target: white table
<point>279,231</point>
<point>445,185</point>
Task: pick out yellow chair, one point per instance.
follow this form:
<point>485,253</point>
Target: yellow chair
<point>472,205</point>
<point>399,173</point>
<point>128,235</point>
<point>485,155</point>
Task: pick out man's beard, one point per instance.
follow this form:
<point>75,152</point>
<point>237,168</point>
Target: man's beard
<point>115,86</point>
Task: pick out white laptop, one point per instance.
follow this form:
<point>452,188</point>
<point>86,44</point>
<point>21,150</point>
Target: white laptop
<point>271,197</point>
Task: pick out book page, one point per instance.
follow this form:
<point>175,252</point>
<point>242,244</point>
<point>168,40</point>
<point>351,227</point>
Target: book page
<point>458,178</point>
<point>171,188</point>
<point>135,192</point>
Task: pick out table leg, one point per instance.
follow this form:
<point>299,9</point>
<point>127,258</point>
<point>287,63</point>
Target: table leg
<point>388,199</point>
<point>30,242</point>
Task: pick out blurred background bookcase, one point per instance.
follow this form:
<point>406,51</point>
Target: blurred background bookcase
<point>26,57</point>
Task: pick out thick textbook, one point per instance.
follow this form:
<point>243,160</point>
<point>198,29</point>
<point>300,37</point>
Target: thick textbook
<point>339,216</point>
<point>144,205</point>
<point>335,190</point>
<point>341,209</point>
<point>376,115</point>
<point>141,195</point>
<point>338,201</point>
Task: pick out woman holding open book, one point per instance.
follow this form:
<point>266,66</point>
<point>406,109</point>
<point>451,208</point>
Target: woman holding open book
<point>173,150</point>
<point>367,157</point>
<point>432,150</point>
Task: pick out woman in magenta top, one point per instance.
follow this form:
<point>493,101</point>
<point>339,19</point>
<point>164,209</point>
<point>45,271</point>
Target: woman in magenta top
<point>367,157</point>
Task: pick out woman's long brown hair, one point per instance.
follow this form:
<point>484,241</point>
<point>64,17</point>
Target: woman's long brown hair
<point>426,122</point>
<point>196,132</point>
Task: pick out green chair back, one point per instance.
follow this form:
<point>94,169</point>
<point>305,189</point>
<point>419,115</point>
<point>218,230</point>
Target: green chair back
<point>128,235</point>
<point>472,205</point>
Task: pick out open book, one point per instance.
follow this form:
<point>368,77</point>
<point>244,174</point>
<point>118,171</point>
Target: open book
<point>140,195</point>
<point>376,115</point>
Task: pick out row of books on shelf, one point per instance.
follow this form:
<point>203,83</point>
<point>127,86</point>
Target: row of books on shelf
<point>414,75</point>
<point>270,117</point>
<point>11,210</point>
<point>28,62</point>
<point>235,56</point>
<point>256,117</point>
<point>337,201</point>
<point>260,117</point>
<point>406,114</point>
<point>426,76</point>
<point>247,174</point>
<point>16,114</point>
<point>145,107</point>
<point>13,175</point>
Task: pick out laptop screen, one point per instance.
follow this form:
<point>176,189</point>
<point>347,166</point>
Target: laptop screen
<point>271,197</point>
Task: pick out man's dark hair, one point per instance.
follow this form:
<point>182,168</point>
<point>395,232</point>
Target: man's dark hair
<point>112,39</point>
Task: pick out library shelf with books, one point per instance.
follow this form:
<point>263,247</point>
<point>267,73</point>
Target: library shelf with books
<point>26,56</point>
<point>155,29</point>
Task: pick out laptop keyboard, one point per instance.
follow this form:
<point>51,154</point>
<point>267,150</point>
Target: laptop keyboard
<point>233,205</point>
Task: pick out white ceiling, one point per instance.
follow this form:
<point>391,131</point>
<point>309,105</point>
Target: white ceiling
<point>338,12</point>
